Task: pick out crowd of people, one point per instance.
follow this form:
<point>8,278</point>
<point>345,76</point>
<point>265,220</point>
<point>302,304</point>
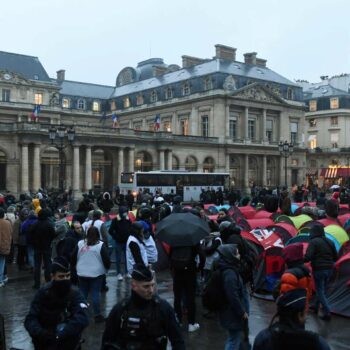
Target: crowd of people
<point>76,255</point>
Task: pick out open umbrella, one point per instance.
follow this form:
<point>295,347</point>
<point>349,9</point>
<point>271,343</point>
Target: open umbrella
<point>182,229</point>
<point>334,187</point>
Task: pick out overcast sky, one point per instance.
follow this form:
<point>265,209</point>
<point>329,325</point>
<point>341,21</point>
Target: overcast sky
<point>94,39</point>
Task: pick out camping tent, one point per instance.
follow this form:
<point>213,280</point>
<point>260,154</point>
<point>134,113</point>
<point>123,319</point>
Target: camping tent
<point>284,230</point>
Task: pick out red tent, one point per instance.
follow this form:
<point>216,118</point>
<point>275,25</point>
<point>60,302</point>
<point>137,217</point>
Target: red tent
<point>262,214</point>
<point>254,223</point>
<point>343,218</point>
<point>248,211</point>
<point>284,230</point>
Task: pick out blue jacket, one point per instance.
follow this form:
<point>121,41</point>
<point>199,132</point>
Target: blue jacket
<point>231,317</point>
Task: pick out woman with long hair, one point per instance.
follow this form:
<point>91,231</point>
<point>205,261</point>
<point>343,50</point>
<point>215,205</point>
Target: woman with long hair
<point>92,261</point>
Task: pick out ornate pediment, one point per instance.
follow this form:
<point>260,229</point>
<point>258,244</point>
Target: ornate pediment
<point>257,92</point>
<point>13,78</point>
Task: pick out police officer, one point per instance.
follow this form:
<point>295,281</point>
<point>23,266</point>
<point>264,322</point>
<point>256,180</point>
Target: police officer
<point>143,321</point>
<point>289,333</point>
<point>57,315</point>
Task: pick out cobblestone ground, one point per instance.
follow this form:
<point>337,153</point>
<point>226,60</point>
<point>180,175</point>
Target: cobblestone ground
<point>16,296</point>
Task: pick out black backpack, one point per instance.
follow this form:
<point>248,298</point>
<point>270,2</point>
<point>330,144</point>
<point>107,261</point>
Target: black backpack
<point>213,294</point>
<point>181,258</point>
<point>248,261</point>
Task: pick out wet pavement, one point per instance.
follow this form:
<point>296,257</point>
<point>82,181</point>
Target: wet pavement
<point>15,299</point>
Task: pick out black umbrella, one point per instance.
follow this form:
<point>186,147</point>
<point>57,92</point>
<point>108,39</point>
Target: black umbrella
<point>182,229</point>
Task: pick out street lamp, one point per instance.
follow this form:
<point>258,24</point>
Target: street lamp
<point>286,149</point>
<point>60,132</point>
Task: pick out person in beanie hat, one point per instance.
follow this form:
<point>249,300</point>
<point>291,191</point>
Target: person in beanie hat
<point>57,315</point>
<point>322,254</point>
<point>144,320</point>
<point>289,333</point>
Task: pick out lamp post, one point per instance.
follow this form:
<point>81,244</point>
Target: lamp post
<point>286,149</point>
<point>60,132</point>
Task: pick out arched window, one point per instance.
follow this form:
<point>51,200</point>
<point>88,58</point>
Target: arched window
<point>208,165</point>
<point>143,161</point>
<point>154,96</point>
<point>290,94</point>
<point>176,163</point>
<point>126,102</point>
<point>208,84</point>
<point>169,93</point>
<point>191,164</point>
<point>81,104</point>
<point>186,89</point>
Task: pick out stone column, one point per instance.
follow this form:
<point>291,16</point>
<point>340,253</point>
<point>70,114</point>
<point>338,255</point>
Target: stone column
<point>246,118</point>
<point>264,170</point>
<point>174,123</point>
<point>76,169</point>
<point>227,163</point>
<point>170,160</point>
<point>161,160</point>
<point>263,126</point>
<point>24,169</point>
<point>246,174</point>
<point>282,174</point>
<point>36,168</point>
<point>227,132</point>
<point>88,170</point>
<point>282,137</point>
<point>120,163</point>
<point>132,160</point>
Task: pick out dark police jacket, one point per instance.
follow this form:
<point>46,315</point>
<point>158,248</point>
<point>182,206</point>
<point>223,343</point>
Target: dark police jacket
<point>278,337</point>
<point>140,324</point>
<point>48,310</point>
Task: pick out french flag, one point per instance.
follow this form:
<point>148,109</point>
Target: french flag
<point>157,122</point>
<point>35,112</point>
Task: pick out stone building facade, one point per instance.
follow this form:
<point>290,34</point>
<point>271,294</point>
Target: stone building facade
<point>328,130</point>
<point>215,114</point>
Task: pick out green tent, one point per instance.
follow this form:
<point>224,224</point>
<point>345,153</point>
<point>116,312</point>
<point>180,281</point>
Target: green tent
<point>297,221</point>
<point>338,233</point>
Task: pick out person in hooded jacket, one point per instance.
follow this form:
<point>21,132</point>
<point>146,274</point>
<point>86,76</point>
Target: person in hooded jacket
<point>150,245</point>
<point>106,203</point>
<point>322,254</point>
<point>234,315</point>
<point>289,333</point>
<point>42,234</point>
<point>120,231</point>
<point>19,239</point>
<point>25,229</point>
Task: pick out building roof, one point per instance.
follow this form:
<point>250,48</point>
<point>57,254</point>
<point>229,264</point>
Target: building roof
<point>213,66</point>
<point>76,88</point>
<point>28,66</point>
<point>318,91</point>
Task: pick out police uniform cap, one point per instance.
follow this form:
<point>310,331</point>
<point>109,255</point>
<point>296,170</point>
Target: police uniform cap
<point>60,264</point>
<point>141,273</point>
<point>293,300</point>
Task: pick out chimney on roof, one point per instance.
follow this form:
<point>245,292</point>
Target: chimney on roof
<point>225,52</point>
<point>159,70</point>
<point>61,75</point>
<point>261,62</point>
<point>188,61</point>
<point>250,58</point>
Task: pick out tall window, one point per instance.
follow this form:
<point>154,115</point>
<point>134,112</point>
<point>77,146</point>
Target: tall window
<point>167,126</point>
<point>312,141</point>
<point>269,130</point>
<point>81,103</point>
<point>251,129</point>
<point>312,123</point>
<point>207,84</point>
<point>154,96</point>
<point>334,103</point>
<point>313,106</point>
<point>334,139</point>
<point>205,125</point>
<point>169,93</point>
<point>293,132</point>
<point>186,89</point>
<point>6,95</point>
<point>139,100</point>
<point>290,94</point>
<point>184,127</point>
<point>113,105</point>
<point>126,102</point>
<point>334,121</point>
<point>65,103</point>
<point>233,128</point>
<point>96,106</point>
<point>38,98</point>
